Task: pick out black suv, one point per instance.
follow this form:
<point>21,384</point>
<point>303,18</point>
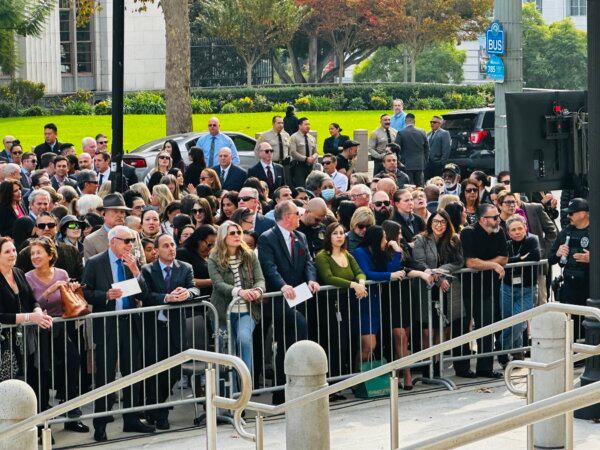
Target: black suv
<point>472,146</point>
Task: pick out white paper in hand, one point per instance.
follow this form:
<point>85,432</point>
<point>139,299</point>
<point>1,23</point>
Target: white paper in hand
<point>129,287</point>
<point>302,294</point>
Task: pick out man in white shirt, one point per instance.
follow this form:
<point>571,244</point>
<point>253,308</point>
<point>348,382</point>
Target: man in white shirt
<point>340,180</point>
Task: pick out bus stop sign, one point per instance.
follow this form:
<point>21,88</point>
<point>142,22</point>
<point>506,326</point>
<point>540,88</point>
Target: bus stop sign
<point>495,41</point>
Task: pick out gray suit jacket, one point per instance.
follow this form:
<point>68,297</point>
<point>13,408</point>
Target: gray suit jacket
<point>414,148</point>
<point>439,145</point>
<point>97,242</point>
<point>540,224</point>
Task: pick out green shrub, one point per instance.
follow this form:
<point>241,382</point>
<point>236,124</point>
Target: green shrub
<point>280,106</point>
<point>81,96</point>
<point>420,104</point>
<point>302,103</point>
<point>7,109</point>
<point>378,102</point>
<point>228,108</point>
<point>144,103</point>
<point>453,100</point>
<point>103,108</point>
<point>338,101</point>
<point>22,93</point>
<point>472,101</point>
<point>34,111</point>
<point>78,108</point>
<point>244,104</point>
<point>356,104</point>
<point>436,103</point>
<point>319,103</point>
<point>201,106</point>
<point>261,103</point>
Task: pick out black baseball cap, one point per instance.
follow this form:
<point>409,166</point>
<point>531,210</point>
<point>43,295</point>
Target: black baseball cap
<point>350,143</point>
<point>576,205</point>
<point>452,168</point>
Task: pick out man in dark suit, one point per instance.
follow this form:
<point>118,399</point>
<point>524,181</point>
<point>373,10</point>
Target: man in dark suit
<point>61,174</point>
<point>115,337</point>
<point>248,198</point>
<point>232,177</point>
<point>102,166</point>
<point>50,143</point>
<point>285,260</point>
<point>169,281</point>
<point>414,149</point>
<point>266,170</point>
<point>439,146</point>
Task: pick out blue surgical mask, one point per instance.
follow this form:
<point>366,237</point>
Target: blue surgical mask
<point>327,194</point>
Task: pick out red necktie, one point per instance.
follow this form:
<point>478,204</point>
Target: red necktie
<point>269,176</point>
<point>292,244</point>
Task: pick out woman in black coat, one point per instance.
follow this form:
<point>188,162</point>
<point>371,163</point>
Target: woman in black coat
<point>334,143</point>
<point>290,121</point>
<point>11,206</point>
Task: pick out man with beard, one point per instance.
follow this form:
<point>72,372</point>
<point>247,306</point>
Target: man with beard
<point>382,207</point>
<point>451,177</point>
<point>484,249</point>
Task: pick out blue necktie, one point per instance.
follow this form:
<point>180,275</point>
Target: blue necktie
<point>121,277</point>
<point>168,278</point>
<point>211,156</point>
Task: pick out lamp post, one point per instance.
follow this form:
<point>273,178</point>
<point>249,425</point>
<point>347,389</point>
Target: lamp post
<point>116,165</point>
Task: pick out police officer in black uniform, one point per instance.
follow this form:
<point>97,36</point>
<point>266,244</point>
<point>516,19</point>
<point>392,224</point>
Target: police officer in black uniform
<point>574,258</point>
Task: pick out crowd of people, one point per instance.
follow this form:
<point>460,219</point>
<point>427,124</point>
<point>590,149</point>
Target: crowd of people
<point>208,227</point>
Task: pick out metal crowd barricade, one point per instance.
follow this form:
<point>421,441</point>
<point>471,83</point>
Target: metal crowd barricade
<point>423,315</point>
<point>67,355</point>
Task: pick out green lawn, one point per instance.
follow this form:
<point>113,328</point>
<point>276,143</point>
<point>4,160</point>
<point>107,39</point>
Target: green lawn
<point>143,128</point>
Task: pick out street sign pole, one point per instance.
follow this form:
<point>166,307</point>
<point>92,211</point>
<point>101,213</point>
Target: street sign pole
<point>117,95</point>
<point>509,14</point>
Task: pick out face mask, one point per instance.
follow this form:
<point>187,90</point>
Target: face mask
<point>327,194</point>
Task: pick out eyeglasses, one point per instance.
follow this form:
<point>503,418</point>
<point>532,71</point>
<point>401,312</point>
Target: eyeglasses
<point>73,226</point>
<point>92,181</point>
<point>235,233</point>
<point>509,202</point>
<point>164,157</point>
<point>382,203</point>
<point>43,226</point>
<point>505,182</point>
<point>209,244</point>
<point>361,226</point>
<point>438,222</point>
<point>17,153</point>
<point>353,196</point>
<point>126,241</point>
<point>471,190</point>
<point>197,210</point>
<point>269,150</point>
<point>326,163</point>
<point>496,217</point>
<point>247,199</point>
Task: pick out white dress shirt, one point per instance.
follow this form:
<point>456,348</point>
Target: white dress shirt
<point>340,181</point>
<point>287,238</point>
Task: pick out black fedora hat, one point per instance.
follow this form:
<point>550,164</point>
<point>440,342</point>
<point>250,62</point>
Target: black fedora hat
<point>114,201</point>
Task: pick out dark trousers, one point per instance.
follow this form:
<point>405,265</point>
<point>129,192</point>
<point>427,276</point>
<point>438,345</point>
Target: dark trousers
<point>416,177</point>
<point>119,339</point>
<point>484,310</point>
<point>575,291</point>
<point>157,349</point>
<point>289,326</point>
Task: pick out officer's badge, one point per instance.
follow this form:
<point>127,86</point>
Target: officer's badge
<point>585,242</point>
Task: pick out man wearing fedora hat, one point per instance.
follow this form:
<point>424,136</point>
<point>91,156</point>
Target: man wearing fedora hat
<point>113,210</point>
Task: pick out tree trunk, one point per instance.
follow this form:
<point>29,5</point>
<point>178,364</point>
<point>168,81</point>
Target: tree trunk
<point>340,67</point>
<point>297,70</point>
<point>413,67</point>
<point>312,59</point>
<point>285,78</point>
<point>177,66</point>
<point>249,69</point>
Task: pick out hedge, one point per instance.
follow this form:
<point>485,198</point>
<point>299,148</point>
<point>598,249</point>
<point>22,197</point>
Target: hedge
<point>23,98</point>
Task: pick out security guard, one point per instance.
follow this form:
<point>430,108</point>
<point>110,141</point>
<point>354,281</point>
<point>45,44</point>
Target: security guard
<point>571,252</point>
<point>303,150</point>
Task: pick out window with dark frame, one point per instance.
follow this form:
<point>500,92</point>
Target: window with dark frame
<point>578,8</point>
<point>74,39</point>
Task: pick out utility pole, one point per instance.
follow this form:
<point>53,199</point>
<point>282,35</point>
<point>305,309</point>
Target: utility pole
<point>509,13</point>
<point>592,327</point>
<point>116,165</point>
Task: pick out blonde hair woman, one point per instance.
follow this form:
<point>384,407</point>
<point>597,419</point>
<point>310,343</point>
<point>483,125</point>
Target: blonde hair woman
<point>161,197</point>
<point>162,165</point>
<point>236,274</point>
<point>143,191</point>
<point>104,189</point>
<point>171,182</point>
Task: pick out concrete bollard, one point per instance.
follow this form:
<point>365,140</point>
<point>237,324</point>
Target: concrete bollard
<point>361,163</point>
<point>548,345</point>
<point>18,403</point>
<point>306,427</point>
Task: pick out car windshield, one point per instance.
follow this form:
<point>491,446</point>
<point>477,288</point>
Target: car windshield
<point>463,122</point>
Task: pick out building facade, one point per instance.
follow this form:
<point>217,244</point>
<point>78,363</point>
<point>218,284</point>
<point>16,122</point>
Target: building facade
<point>552,11</point>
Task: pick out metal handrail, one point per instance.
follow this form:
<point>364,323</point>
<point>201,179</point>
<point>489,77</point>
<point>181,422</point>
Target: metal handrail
<point>197,355</point>
<point>434,351</point>
<point>510,420</point>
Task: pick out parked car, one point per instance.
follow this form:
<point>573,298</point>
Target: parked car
<point>142,158</point>
<point>472,147</point>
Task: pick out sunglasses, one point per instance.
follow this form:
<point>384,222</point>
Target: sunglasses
<point>164,157</point>
<point>92,181</point>
<point>17,153</point>
<point>326,163</point>
<point>43,226</point>
<point>268,151</point>
<point>496,217</point>
<point>126,241</point>
<point>247,199</point>
<point>102,142</point>
<point>197,210</point>
<point>73,226</point>
<point>361,226</point>
<point>505,182</point>
<point>235,233</point>
<point>208,244</point>
<point>382,203</point>
<point>471,190</point>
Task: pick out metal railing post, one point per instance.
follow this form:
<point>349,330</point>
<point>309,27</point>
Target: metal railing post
<point>569,334</point>
<point>211,409</point>
<point>529,402</point>
<point>394,410</point>
<point>259,432</point>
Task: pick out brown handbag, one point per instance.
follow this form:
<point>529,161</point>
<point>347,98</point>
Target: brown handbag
<point>73,302</point>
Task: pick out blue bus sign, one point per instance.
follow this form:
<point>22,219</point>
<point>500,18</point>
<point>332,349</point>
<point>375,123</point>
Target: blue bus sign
<point>495,41</point>
<point>495,69</point>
